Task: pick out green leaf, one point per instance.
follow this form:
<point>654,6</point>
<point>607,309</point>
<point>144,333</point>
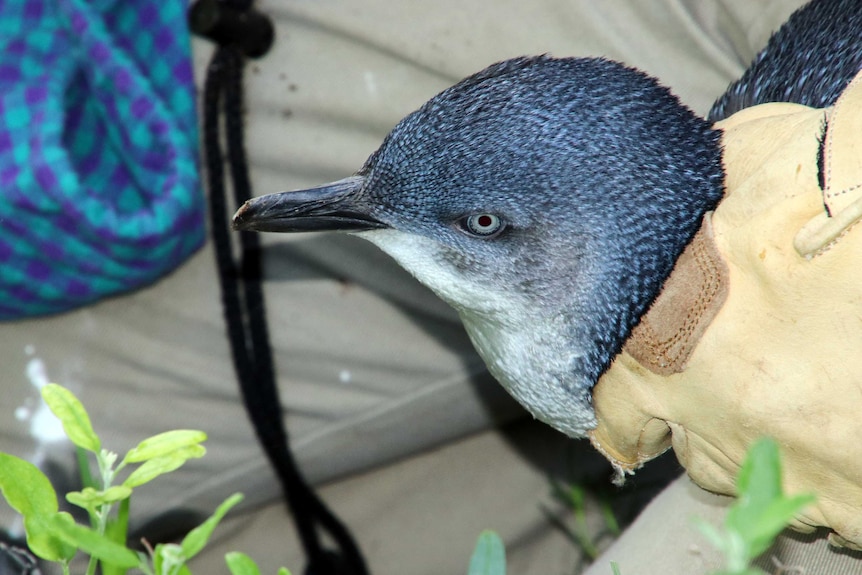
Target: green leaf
<point>117,530</point>
<point>84,467</point>
<point>198,537</point>
<point>158,560</point>
<point>93,542</point>
<point>577,497</point>
<point>737,552</point>
<point>90,498</point>
<point>152,468</point>
<point>762,510</point>
<point>758,482</point>
<point>72,415</point>
<point>608,515</point>
<point>615,568</point>
<point>164,444</point>
<point>167,557</point>
<point>26,488</point>
<point>44,542</point>
<point>715,536</point>
<point>241,564</point>
<point>489,556</point>
<point>729,543</point>
<point>759,533</point>
<point>29,492</point>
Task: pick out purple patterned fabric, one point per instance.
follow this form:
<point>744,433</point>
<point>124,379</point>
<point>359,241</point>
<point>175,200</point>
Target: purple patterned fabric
<point>99,185</point>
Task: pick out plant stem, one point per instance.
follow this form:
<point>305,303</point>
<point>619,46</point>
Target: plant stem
<point>91,566</point>
<point>106,462</point>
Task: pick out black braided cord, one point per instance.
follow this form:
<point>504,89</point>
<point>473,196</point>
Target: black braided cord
<point>245,316</point>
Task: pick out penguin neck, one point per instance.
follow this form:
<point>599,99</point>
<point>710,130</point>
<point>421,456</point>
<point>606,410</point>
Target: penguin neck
<point>534,358</point>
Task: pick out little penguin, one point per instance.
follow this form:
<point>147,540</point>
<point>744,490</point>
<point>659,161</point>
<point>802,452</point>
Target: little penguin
<point>547,199</point>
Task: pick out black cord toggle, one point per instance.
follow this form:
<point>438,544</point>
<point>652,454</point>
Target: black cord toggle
<point>227,23</point>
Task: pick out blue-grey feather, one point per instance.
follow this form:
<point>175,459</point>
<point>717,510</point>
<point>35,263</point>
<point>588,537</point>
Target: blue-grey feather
<point>808,61</point>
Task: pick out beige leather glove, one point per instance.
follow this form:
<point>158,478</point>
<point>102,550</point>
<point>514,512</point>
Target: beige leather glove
<point>759,330</point>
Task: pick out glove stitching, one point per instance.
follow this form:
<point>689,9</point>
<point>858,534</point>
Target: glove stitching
<point>837,111</point>
<point>660,350</point>
<point>844,191</point>
<point>834,242</point>
<point>827,193</point>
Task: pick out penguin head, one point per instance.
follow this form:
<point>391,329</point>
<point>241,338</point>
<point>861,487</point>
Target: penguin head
<point>542,194</point>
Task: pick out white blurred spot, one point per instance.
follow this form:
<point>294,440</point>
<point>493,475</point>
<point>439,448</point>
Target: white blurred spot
<point>36,373</point>
<point>344,376</point>
<point>44,426</point>
<point>22,413</point>
<point>370,83</point>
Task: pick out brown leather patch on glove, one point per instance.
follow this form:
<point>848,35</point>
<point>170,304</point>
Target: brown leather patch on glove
<point>691,297</point>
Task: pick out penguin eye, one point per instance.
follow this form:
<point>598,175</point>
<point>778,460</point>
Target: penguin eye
<point>482,225</point>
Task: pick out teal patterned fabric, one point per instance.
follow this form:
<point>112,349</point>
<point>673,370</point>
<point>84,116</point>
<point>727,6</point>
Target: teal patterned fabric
<point>99,183</point>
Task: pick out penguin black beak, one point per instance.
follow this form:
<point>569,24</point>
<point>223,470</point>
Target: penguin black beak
<point>332,207</point>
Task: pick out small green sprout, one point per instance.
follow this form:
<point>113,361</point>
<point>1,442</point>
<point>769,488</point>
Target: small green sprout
<point>760,512</point>
<point>55,536</point>
<point>489,556</point>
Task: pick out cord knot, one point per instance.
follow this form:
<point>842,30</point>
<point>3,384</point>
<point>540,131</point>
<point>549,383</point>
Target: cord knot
<point>233,23</point>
